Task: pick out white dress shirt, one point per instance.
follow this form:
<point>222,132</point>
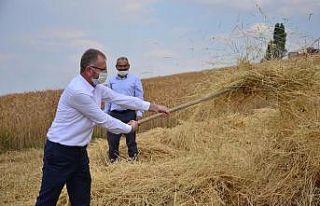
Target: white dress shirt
<point>79,110</point>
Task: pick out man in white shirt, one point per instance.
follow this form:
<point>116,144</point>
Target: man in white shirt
<point>128,84</point>
<point>65,156</point>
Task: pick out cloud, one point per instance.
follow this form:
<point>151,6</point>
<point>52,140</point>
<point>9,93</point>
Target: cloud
<point>243,4</point>
<point>120,11</point>
<point>292,7</point>
<point>280,7</point>
<point>251,41</point>
<point>4,58</point>
<point>58,39</point>
<point>244,41</point>
<point>258,30</point>
<point>134,7</point>
<point>159,53</point>
<point>135,11</point>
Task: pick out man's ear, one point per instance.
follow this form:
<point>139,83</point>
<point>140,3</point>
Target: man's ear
<point>87,71</point>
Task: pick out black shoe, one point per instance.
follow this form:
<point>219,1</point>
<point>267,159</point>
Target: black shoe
<point>113,160</point>
<point>135,158</point>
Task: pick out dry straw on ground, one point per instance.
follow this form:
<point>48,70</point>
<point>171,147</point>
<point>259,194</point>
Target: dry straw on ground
<point>257,145</point>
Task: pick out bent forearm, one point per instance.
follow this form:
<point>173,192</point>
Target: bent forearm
<point>153,107</point>
<point>159,108</point>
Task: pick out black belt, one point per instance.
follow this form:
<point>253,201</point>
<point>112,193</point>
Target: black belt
<point>67,147</point>
<point>122,111</point>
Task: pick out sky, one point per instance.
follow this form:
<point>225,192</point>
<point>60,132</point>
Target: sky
<point>42,41</point>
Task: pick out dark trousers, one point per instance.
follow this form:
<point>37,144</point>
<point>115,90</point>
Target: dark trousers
<point>114,139</point>
<point>65,165</point>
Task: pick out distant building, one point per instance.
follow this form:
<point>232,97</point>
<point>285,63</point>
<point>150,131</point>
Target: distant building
<point>303,52</point>
<point>293,54</point>
<point>311,50</point>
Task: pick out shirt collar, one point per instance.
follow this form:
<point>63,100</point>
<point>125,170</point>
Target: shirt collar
<point>121,77</point>
<point>86,85</point>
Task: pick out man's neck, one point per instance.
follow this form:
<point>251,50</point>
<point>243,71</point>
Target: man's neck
<point>87,79</point>
<point>122,77</point>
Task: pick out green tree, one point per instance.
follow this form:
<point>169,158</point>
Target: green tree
<point>276,48</point>
<point>284,38</point>
<point>269,54</point>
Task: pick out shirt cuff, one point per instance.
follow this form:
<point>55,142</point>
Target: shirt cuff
<point>139,114</point>
<point>145,105</point>
<point>128,129</point>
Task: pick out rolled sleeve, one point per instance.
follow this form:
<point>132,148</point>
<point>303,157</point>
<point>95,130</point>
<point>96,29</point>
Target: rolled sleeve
<point>138,92</point>
<point>87,106</point>
<point>128,102</point>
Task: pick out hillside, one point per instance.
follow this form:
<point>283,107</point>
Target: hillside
<point>257,145</point>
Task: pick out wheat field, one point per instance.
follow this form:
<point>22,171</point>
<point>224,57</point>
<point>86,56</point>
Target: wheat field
<point>257,145</point>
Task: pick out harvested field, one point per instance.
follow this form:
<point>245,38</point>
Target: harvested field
<point>257,145</point>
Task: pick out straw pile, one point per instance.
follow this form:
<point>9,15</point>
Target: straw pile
<point>257,145</point>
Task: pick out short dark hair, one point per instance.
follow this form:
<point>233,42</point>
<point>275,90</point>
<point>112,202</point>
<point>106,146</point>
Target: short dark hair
<point>89,57</point>
<point>122,59</point>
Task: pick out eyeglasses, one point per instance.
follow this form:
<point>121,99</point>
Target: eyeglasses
<point>101,69</point>
<point>122,66</point>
